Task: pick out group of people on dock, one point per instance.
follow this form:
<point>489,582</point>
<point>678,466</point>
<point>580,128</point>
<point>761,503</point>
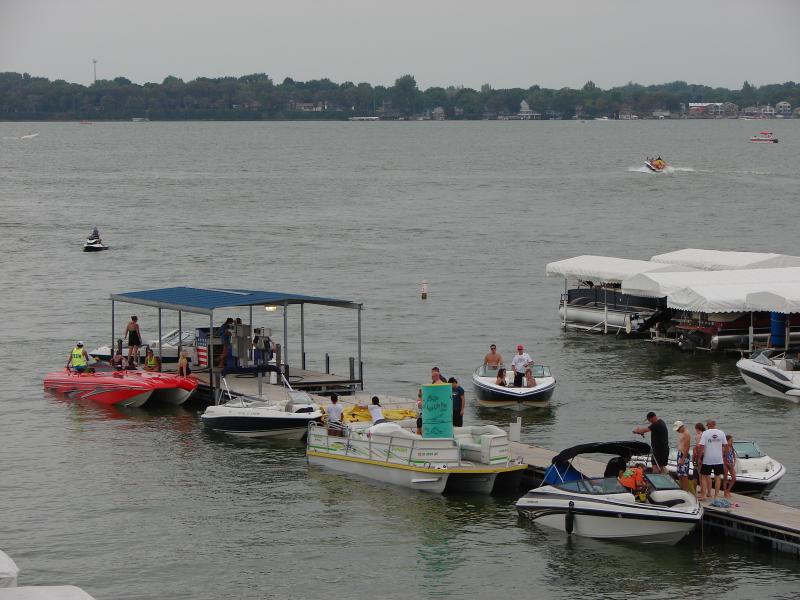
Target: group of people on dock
<point>521,366</point>
<point>713,455</point>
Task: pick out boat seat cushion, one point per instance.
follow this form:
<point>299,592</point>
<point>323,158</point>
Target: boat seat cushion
<point>392,430</point>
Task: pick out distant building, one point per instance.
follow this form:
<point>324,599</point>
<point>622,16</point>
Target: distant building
<point>703,109</point>
<point>730,109</point>
<point>796,112</point>
<point>626,113</point>
<point>767,111</point>
<point>751,111</point>
<point>438,113</point>
<point>661,113</point>
<point>783,108</point>
<point>525,111</point>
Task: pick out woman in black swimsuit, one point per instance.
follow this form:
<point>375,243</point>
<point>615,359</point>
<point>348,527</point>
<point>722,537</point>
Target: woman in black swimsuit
<point>134,340</point>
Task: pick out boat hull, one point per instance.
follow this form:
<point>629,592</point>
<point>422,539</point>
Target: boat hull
<point>605,525</point>
<point>101,388</point>
<point>490,395</point>
<point>291,426</point>
<point>431,482</point>
<point>769,381</point>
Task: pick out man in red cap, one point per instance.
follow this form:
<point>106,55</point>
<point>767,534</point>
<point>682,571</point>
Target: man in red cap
<point>519,363</point>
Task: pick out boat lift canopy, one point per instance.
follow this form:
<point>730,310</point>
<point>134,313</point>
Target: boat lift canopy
<point>205,300</point>
<point>606,269</point>
<point>719,260</point>
<point>782,298</point>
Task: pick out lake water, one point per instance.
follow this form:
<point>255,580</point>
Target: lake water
<point>144,504</point>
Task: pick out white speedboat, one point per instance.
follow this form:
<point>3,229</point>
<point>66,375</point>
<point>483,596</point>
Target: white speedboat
<point>490,393</point>
<point>253,417</point>
<point>94,244</point>
<point>772,373</point>
<point>601,507</point>
<point>476,459</point>
<point>169,353</point>
<point>756,473</point>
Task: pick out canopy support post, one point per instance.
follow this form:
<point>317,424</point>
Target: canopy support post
<point>360,364</point>
<point>285,339</point>
<point>566,302</point>
<point>605,309</point>
<point>113,341</point>
<point>750,335</point>
<point>180,335</point>
<point>160,341</point>
<point>211,355</point>
<point>302,336</point>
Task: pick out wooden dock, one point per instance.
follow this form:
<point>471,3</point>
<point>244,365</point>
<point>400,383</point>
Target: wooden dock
<point>749,519</point>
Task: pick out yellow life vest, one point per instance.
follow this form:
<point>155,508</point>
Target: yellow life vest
<point>151,362</point>
<point>78,359</point>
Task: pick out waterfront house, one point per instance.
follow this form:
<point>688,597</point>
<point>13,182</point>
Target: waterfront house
<point>783,108</point>
<point>767,112</point>
<point>661,113</point>
<point>525,113</point>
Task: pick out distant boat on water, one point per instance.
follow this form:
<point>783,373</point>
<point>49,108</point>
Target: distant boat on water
<point>765,137</point>
<point>140,119</point>
<point>364,119</point>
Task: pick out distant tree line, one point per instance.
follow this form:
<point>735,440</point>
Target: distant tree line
<point>256,96</point>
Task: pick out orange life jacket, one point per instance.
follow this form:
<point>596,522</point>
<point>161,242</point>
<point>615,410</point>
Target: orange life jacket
<point>632,478</point>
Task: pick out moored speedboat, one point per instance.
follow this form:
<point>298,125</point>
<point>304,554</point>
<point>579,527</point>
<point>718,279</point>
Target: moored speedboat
<point>252,417</point>
<point>167,387</point>
<point>490,393</point>
<point>756,473</point>
<point>475,459</point>
<point>764,137</point>
<point>601,507</point>
<point>108,388</point>
<point>772,373</point>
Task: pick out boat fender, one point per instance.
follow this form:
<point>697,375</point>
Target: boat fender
<point>569,518</point>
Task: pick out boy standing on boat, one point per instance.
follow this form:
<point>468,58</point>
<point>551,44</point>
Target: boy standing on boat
<point>494,359</point>
<point>684,440</point>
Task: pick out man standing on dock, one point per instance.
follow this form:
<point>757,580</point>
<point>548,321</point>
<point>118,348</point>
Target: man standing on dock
<point>458,403</point>
<point>710,446</point>
<point>659,441</point>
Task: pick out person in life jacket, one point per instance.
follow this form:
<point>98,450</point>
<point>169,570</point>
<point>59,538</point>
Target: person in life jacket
<point>633,478</point>
<point>151,361</point>
<point>78,359</point>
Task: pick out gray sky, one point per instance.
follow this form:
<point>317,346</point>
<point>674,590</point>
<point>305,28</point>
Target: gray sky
<point>513,43</point>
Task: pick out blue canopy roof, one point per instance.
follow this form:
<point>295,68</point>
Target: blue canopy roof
<point>205,300</point>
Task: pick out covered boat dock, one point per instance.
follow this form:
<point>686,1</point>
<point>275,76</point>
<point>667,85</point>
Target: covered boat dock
<point>204,301</point>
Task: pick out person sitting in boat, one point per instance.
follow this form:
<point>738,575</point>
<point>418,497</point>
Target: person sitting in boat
<point>501,377</point>
<point>118,361</point>
<point>95,235</point>
<point>78,359</point>
<point>151,361</point>
<point>529,379</point>
<point>376,411</point>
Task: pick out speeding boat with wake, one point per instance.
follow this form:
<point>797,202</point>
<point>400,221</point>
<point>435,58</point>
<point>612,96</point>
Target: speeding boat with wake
<point>656,165</point>
<point>491,393</point>
<point>601,507</point>
<point>107,388</point>
<point>764,137</point>
<point>247,416</point>
<point>773,373</point>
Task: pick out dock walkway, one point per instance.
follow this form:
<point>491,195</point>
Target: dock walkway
<point>749,519</point>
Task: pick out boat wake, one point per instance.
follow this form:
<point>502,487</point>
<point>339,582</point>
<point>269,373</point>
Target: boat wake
<point>669,170</point>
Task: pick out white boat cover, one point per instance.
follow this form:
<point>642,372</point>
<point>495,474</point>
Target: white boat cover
<point>717,260</point>
<point>783,298</point>
<point>8,571</point>
<point>720,298</point>
<point>606,269</point>
<point>669,285</point>
<point>45,592</point>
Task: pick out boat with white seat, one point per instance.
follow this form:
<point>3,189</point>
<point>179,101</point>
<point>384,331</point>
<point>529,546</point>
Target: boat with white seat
<point>601,507</point>
<point>247,416</point>
<point>172,340</point>
<point>773,373</point>
<point>476,459</point>
<point>756,473</point>
<point>491,394</point>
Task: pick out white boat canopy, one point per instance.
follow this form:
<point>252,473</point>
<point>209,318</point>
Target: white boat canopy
<point>660,285</point>
<point>782,298</point>
<point>606,269</point>
<point>717,260</point>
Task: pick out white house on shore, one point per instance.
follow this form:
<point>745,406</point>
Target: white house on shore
<point>783,108</point>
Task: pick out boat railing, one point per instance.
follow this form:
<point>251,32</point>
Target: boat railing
<point>399,450</point>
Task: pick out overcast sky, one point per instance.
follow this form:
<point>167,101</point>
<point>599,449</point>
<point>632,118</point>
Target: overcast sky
<point>513,43</point>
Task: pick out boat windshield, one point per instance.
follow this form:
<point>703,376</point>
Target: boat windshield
<point>747,450</point>
<point>661,482</point>
<point>536,371</point>
<point>762,359</point>
<point>596,485</point>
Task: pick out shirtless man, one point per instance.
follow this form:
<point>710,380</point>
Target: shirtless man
<point>494,359</point>
<point>684,460</point>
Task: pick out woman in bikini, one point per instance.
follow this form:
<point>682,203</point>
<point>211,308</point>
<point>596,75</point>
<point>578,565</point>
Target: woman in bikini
<point>134,340</point>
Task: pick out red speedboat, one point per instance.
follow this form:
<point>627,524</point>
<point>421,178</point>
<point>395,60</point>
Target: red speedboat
<point>167,387</point>
<point>104,388</point>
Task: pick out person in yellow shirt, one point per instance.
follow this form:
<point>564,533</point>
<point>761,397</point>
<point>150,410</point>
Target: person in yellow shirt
<point>78,358</point>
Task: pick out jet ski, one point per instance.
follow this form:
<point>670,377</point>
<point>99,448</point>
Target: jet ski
<point>94,243</point>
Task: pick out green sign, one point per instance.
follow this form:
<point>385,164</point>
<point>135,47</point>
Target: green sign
<point>437,411</point>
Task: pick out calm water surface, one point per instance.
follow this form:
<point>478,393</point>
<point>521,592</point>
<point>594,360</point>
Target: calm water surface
<point>144,504</point>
